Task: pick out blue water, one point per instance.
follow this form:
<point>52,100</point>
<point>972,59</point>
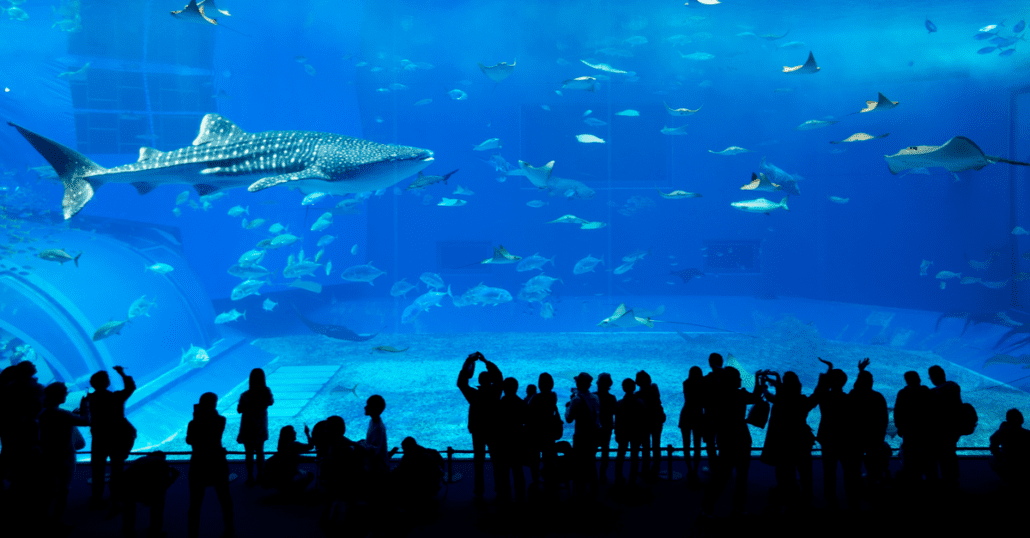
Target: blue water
<point>325,66</point>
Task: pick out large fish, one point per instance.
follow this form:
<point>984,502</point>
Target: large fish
<point>223,156</point>
<point>338,332</point>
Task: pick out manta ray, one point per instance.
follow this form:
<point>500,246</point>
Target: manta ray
<point>338,332</point>
<point>809,67</point>
<point>498,72</point>
<point>223,156</point>
<point>202,13</point>
<point>680,111</point>
<point>955,155</point>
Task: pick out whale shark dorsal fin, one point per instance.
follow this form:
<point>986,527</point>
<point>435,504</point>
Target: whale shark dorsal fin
<point>146,153</point>
<point>214,128</point>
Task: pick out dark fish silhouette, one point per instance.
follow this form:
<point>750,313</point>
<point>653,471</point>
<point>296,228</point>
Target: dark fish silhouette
<point>340,388</point>
<point>687,274</point>
<point>930,26</point>
<point>339,332</point>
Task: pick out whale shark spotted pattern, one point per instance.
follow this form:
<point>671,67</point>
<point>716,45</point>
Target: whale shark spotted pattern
<point>223,156</point>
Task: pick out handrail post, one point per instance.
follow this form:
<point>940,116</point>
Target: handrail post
<point>669,459</point>
<point>450,464</point>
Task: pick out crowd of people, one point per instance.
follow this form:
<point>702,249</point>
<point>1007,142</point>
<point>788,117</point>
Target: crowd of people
<point>40,440</point>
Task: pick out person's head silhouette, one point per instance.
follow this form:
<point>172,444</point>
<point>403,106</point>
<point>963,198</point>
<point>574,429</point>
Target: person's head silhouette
<point>912,378</point>
<point>545,382</point>
<point>100,380</point>
<point>629,386</point>
<point>715,361</point>
<point>375,405</point>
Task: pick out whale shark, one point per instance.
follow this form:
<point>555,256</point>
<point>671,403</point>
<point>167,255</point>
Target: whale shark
<point>223,156</point>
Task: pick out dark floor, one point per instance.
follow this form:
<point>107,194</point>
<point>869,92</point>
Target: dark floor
<point>664,508</point>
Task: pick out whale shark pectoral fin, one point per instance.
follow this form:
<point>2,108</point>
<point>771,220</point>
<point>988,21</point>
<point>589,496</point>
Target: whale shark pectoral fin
<point>143,187</point>
<point>203,189</point>
<point>272,181</point>
<point>214,128</point>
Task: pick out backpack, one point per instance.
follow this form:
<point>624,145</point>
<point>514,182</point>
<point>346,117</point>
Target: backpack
<point>966,419</point>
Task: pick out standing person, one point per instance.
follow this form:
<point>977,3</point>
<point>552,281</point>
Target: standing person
<point>253,407</point>
<point>944,403</point>
<point>375,438</point>
<point>208,465</point>
<point>113,435</point>
<point>511,439</point>
<point>870,418</point>
<point>788,441</point>
<point>608,404</point>
<point>834,435</point>
<point>910,418</point>
<point>709,393</point>
<point>654,422</point>
<point>58,437</point>
<point>691,417</point>
<point>733,439</point>
<point>544,427</point>
<point>629,417</point>
<point>584,409</point>
<point>482,413</point>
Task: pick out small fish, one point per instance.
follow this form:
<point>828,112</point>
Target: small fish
<point>593,225</point>
<point>59,256</point>
<point>354,250</point>
<point>924,266</point>
<point>676,195</point>
<point>536,203</point>
<point>492,143</point>
<point>987,50</point>
<point>401,288</point>
<point>340,388</point>
<point>589,139</point>
<point>182,197</point>
<point>839,200</point>
<point>269,305</point>
<point>588,112</point>
<point>635,40</point>
<point>423,181</point>
<point>313,198</point>
<point>140,307</point>
<point>629,112</point>
<point>452,202</point>
<point>161,268</point>
<point>594,122</point>
<point>309,69</point>
<point>423,102</point>
<point>276,228</point>
<point>230,316</point>
<point>624,267</point>
<point>390,349</point>
<point>945,275</point>
<point>732,150</point>
<point>697,56</point>
<point>458,95</point>
<point>545,107</point>
<point>815,124</point>
<point>1019,230</point>
<point>1019,27</point>
<point>761,205</point>
<point>681,130</point>
<point>944,284</point>
<point>328,267</point>
<point>253,224</point>
<point>1007,53</point>
<point>930,26</point>
<point>995,285</point>
<point>970,280</point>
<point>238,210</point>
<point>109,329</point>
<point>323,222</point>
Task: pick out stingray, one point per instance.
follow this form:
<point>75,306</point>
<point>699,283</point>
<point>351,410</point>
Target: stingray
<point>498,72</point>
<point>955,155</point>
<point>680,111</point>
<point>537,175</point>
<point>882,103</point>
<point>338,332</point>
<point>773,37</point>
<point>204,13</point>
<point>859,137</point>
<point>759,182</point>
<point>687,274</point>
<point>808,67</point>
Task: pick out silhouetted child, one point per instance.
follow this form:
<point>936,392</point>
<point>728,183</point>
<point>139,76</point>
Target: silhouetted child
<point>253,407</point>
<point>146,481</point>
<point>375,438</point>
<point>629,415</point>
<point>208,465</point>
<point>284,474</point>
<point>608,404</point>
<point>530,392</point>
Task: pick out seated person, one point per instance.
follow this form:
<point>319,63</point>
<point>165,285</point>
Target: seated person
<point>1010,446</point>
<point>284,473</point>
<point>419,473</point>
<point>145,481</point>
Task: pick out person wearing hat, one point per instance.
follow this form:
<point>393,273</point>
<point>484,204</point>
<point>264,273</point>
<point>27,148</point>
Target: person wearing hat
<point>584,409</point>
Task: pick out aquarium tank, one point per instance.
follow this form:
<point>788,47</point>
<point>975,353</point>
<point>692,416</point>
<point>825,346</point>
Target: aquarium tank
<point>355,195</point>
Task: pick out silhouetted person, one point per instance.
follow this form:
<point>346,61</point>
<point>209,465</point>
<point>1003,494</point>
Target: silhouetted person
<point>253,407</point>
<point>530,392</point>
<point>113,435</point>
<point>870,418</point>
<point>629,429</point>
<point>911,418</point>
<point>944,403</point>
<point>835,435</point>
<point>711,387</point>
<point>511,441</point>
<point>543,427</point>
<point>732,438</point>
<point>286,475</point>
<point>788,441</point>
<point>146,481</point>
<point>608,404</point>
<point>691,417</point>
<point>375,438</point>
<point>584,410</point>
<point>22,403</point>
<point>57,436</point>
<point>417,476</point>
<point>1010,446</point>
<point>482,413</point>
<point>208,465</point>
<point>654,422</point>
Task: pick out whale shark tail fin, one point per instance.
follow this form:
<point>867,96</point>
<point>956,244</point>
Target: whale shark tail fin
<point>72,167</point>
